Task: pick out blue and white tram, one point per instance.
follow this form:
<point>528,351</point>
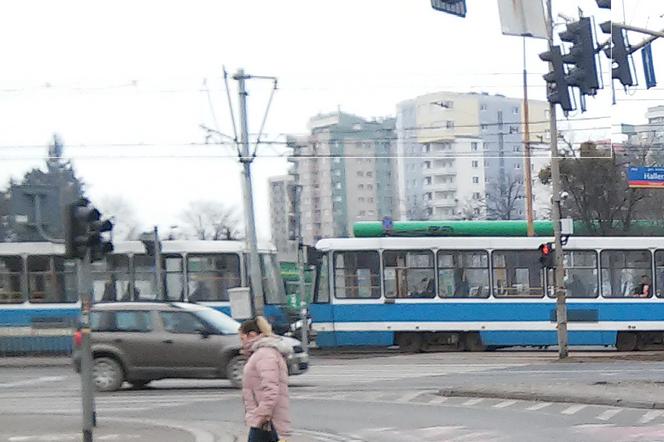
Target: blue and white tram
<point>39,304</point>
<point>478,292</point>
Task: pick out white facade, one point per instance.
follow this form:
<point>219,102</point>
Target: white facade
<point>454,180</point>
<point>280,206</point>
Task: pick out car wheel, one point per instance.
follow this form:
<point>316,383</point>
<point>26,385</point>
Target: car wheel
<point>234,370</point>
<point>137,385</point>
<point>107,374</point>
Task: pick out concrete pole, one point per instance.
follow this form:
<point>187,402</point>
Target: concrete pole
<point>87,390</point>
<point>301,263</point>
<point>526,150</point>
<point>161,292</point>
<point>246,159</point>
<point>559,276</point>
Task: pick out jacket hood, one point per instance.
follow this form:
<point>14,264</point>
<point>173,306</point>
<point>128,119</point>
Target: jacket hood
<point>273,342</point>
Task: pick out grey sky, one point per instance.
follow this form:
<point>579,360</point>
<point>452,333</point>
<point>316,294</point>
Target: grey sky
<point>127,81</point>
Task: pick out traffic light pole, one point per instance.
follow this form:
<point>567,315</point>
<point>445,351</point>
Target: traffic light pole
<point>526,150</point>
<point>559,273</point>
<point>246,159</point>
<point>87,390</point>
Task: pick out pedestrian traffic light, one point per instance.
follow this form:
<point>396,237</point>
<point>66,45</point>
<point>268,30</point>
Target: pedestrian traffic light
<point>619,52</point>
<point>558,91</point>
<point>581,56</point>
<point>84,231</point>
<point>546,255</point>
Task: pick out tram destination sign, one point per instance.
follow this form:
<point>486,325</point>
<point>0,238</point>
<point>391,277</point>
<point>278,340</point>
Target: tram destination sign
<point>648,177</point>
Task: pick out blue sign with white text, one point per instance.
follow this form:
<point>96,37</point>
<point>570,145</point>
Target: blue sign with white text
<point>645,176</point>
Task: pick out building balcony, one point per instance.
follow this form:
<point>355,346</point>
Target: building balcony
<point>445,187</point>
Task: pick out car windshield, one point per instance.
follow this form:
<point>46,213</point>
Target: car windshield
<point>219,321</point>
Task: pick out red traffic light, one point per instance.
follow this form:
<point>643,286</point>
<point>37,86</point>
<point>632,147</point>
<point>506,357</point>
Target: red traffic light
<point>545,249</point>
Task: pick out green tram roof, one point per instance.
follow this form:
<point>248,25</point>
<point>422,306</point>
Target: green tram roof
<point>517,228</point>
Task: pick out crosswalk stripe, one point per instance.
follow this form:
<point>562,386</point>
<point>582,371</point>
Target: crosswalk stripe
<point>438,400</point>
<point>504,404</point>
<point>650,416</point>
<point>473,401</point>
<point>409,397</point>
<point>573,409</point>
<point>539,406</point>
<point>608,414</point>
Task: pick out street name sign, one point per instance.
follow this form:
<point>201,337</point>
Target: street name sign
<point>645,177</point>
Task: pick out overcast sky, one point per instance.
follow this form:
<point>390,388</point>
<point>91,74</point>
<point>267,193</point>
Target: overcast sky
<point>127,84</point>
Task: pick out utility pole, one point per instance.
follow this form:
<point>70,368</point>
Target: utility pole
<point>246,159</point>
<point>559,273</point>
<point>300,265</point>
<point>87,390</point>
<point>157,265</point>
<point>526,150</point>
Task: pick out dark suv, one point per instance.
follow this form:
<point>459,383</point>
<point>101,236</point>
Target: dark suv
<point>141,342</point>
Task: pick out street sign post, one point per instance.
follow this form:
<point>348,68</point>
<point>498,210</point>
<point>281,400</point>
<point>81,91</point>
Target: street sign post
<point>454,7</point>
<point>645,177</point>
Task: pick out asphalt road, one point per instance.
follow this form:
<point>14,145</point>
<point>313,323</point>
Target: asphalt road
<point>386,398</point>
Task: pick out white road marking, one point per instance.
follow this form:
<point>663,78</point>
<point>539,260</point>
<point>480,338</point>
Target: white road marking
<point>473,401</point>
<point>650,416</point>
<point>573,409</point>
<point>608,414</point>
<point>504,404</point>
<point>438,400</point>
<point>539,406</point>
<point>408,397</point>
<point>40,380</point>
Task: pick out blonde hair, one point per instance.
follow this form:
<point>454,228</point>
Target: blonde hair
<point>258,325</point>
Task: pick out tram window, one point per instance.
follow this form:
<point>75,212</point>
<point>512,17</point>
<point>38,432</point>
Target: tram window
<point>408,274</point>
<point>626,273</point>
<point>210,276</point>
<point>580,275</point>
<point>517,274</point>
<point>659,273</point>
<point>357,275</point>
<point>11,268</point>
<point>51,279</point>
<point>463,274</point>
<point>273,289</point>
<point>110,279</point>
<point>322,296</point>
<point>145,280</point>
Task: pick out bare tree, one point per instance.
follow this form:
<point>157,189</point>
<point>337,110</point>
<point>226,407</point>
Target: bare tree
<point>472,209</point>
<point>125,223</point>
<point>212,220</point>
<point>502,200</point>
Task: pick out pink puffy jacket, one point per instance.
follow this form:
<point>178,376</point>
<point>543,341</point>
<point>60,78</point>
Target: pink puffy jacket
<point>265,384</point>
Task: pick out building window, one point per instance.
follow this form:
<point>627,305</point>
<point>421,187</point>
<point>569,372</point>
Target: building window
<point>360,199</point>
<point>360,173</point>
<point>476,180</point>
<point>476,195</point>
<point>476,164</point>
<point>362,213</point>
<point>484,126</point>
<point>370,200</point>
<point>369,173</point>
<point>482,107</point>
<point>369,186</point>
<point>517,166</point>
<point>338,186</point>
<point>427,164</point>
<point>516,149</point>
<point>360,186</point>
<point>515,110</point>
<point>450,124</point>
<point>473,146</point>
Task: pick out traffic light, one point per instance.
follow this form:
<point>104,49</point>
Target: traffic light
<point>558,91</point>
<point>84,230</point>
<point>581,56</point>
<point>546,255</point>
<point>619,52</point>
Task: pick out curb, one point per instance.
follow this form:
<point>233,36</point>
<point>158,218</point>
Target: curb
<point>547,397</point>
<point>199,434</point>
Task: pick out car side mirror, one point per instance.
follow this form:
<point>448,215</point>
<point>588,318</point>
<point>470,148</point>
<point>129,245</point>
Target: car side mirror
<point>205,333</point>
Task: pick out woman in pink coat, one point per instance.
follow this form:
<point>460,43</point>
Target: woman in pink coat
<point>265,381</point>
